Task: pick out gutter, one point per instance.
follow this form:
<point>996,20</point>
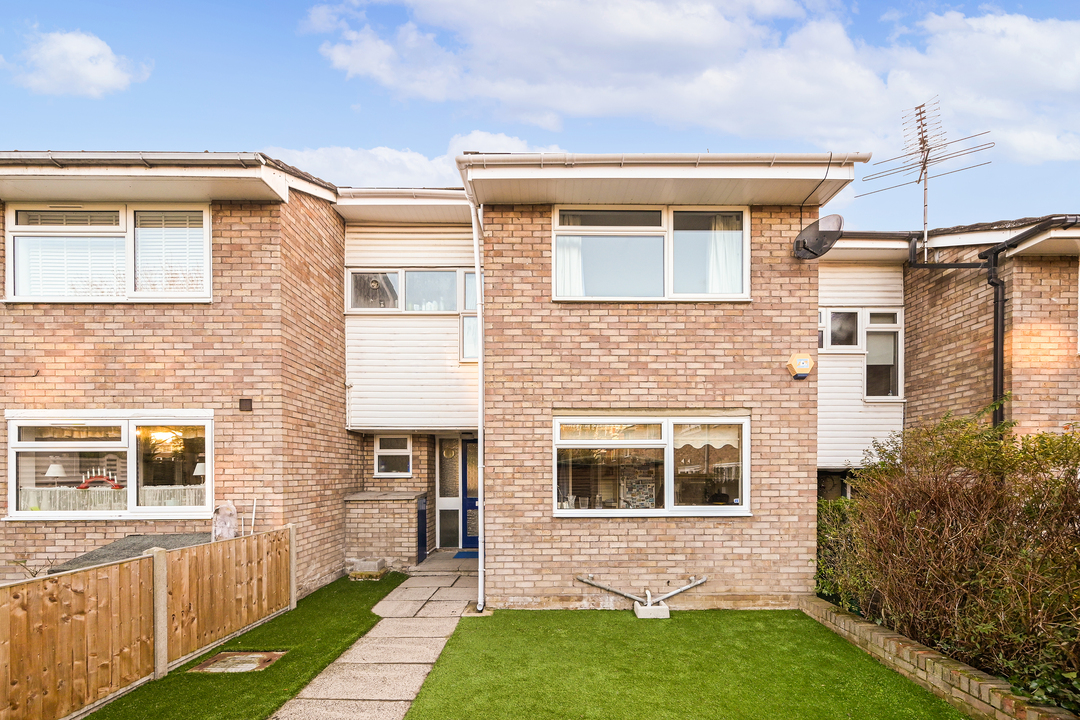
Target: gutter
<point>652,159</point>
<point>144,159</point>
<point>992,255</point>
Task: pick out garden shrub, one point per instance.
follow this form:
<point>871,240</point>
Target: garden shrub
<point>966,538</point>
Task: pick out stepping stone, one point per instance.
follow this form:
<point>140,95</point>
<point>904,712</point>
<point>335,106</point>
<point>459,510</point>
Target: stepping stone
<point>413,627</point>
<point>455,593</point>
<point>397,609</point>
<point>429,581</point>
<point>451,608</point>
<point>411,593</point>
<point>394,650</point>
<point>300,709</point>
<point>356,681</point>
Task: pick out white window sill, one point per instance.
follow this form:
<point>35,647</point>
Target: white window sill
<point>841,351</point>
<point>678,299</point>
<point>393,475</point>
<point>884,400</point>
<point>109,300</point>
<point>171,514</point>
<point>688,512</point>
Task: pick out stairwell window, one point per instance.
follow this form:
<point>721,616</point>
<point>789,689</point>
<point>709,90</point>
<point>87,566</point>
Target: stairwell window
<point>128,253</point>
<point>633,254</point>
<point>877,334</point>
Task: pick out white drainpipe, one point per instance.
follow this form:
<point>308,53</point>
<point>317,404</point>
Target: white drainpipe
<point>477,229</point>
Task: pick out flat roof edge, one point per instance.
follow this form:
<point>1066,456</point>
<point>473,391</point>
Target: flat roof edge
<point>652,159</point>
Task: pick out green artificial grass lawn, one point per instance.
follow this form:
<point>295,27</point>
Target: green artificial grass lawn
<point>323,625</point>
<point>744,665</point>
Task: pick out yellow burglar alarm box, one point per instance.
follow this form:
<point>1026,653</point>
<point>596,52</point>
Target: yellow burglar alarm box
<point>800,365</point>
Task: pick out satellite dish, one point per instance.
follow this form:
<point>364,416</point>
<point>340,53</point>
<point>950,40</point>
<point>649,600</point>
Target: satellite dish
<point>819,237</point>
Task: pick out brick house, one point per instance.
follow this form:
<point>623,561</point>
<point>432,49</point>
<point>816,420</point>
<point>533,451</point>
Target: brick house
<point>611,399</point>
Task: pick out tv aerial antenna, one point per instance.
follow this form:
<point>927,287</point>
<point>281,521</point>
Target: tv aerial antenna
<point>925,147</point>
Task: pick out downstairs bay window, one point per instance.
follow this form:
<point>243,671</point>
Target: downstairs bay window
<point>634,466</point>
<point>110,465</point>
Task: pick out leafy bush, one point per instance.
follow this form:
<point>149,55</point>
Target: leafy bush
<point>837,578</point>
<point>967,538</point>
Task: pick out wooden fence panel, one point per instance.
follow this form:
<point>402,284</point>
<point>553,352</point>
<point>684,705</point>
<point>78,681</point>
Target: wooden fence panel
<point>71,639</point>
<point>61,642</point>
<point>217,589</point>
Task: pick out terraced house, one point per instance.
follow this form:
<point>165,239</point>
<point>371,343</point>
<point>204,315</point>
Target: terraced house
<point>576,364</point>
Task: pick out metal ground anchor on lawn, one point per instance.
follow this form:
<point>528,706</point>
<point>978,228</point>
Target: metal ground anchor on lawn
<point>646,607</point>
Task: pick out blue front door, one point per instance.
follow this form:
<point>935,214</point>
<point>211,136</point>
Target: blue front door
<point>470,514</point>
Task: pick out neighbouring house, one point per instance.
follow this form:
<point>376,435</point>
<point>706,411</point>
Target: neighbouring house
<point>575,364</point>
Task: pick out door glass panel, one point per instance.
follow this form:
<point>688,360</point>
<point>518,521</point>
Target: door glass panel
<point>450,471</point>
<point>472,523</point>
<point>471,471</point>
<point>448,529</point>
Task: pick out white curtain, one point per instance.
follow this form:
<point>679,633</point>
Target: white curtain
<point>725,271</point>
<point>569,273</point>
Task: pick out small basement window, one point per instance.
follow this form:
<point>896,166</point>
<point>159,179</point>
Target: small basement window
<point>393,456</point>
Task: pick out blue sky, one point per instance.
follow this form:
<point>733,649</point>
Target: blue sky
<point>385,93</point>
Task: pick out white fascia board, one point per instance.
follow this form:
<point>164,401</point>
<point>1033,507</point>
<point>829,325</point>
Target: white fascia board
<point>420,206</point>
<point>128,183</point>
<point>1058,241</point>
<point>309,187</point>
<point>864,250</point>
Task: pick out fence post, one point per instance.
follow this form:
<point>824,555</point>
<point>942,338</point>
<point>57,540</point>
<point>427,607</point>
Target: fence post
<point>292,566</point>
<point>161,612</point>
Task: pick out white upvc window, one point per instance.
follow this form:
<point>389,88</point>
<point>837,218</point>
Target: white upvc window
<point>632,466</point>
<point>877,334</point>
<point>108,253</point>
<point>393,456</point>
<point>418,291</point>
<point>110,464</point>
<point>635,253</point>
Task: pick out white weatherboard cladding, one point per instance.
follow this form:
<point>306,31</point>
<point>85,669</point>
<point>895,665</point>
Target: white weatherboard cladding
<point>405,373</point>
<point>418,246</point>
<point>854,285</point>
<point>847,424</point>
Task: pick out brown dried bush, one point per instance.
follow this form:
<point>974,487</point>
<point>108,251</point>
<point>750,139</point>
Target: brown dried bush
<point>967,538</point>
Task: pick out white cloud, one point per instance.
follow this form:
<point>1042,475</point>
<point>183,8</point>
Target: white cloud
<point>75,63</point>
<point>727,66</point>
<point>387,167</point>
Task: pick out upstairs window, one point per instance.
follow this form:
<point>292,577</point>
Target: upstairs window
<point>651,254</point>
<point>875,333</point>
<point>76,254</point>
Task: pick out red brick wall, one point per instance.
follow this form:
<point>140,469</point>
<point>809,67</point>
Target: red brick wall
<point>948,333</point>
<point>949,341</point>
<point>544,358</point>
<point>320,458</point>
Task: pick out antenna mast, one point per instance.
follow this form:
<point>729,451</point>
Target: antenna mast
<point>925,146</point>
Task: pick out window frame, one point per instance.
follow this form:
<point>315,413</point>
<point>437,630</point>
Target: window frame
<point>864,312</point>
<point>126,229</point>
<point>667,423</point>
<point>377,453</point>
<point>667,231</point>
<point>128,420</point>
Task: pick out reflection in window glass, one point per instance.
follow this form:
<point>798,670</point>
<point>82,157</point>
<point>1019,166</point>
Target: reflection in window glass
<point>73,481</point>
<point>708,464</point>
<point>610,478</point>
<point>393,464</point>
<point>845,329</point>
<point>374,290</point>
<point>71,433</point>
<point>882,378</point>
<point>169,251</point>
<point>609,266</point>
<point>470,338</point>
<point>882,318</point>
<point>431,291</point>
<point>470,291</point>
<point>70,267</point>
<point>171,465</point>
<point>708,249</point>
<point>575,431</point>
<point>610,218</point>
<point>393,443</point>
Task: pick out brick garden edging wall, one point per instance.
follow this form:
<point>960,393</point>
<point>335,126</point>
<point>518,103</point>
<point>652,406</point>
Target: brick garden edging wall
<point>382,524</point>
<point>971,691</point>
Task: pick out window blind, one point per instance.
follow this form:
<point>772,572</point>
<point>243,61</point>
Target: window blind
<point>69,267</point>
<point>169,252</point>
<point>68,218</point>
